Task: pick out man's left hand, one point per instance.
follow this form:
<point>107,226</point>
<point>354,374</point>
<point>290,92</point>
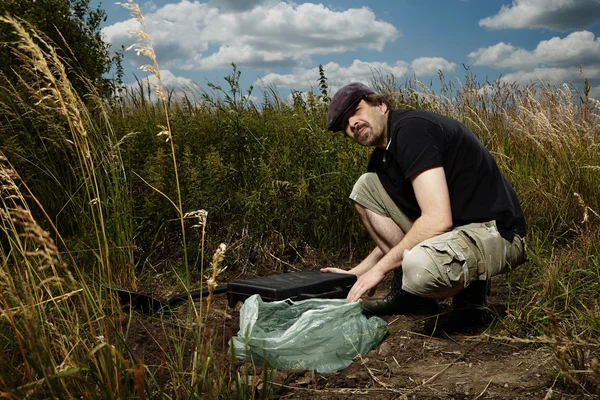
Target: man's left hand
<point>335,270</point>
<point>366,282</point>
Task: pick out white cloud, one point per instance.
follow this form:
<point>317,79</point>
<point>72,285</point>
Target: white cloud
<point>554,75</point>
<point>337,75</point>
<point>561,15</point>
<point>174,30</point>
<point>241,5</point>
<point>170,81</point>
<point>149,6</point>
<point>429,66</point>
<point>578,47</point>
<point>173,85</point>
<point>556,59</point>
<point>503,55</point>
<point>196,36</point>
<point>595,93</point>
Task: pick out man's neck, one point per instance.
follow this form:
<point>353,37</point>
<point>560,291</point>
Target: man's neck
<point>385,140</point>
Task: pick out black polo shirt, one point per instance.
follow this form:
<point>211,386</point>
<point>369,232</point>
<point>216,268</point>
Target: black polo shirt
<point>479,192</point>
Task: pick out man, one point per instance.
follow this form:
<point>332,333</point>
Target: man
<point>443,217</point>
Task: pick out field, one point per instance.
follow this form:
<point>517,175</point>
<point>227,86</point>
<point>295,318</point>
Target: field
<point>140,190</point>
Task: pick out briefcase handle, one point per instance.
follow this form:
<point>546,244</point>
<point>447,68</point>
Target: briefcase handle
<point>337,292</point>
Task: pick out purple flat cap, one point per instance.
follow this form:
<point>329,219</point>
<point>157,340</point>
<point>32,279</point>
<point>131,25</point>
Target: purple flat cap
<point>343,100</point>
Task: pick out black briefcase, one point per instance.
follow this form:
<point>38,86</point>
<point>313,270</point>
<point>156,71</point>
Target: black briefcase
<point>298,285</point>
<point>295,286</point>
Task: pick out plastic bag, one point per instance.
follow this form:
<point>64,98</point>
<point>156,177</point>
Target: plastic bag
<point>320,334</point>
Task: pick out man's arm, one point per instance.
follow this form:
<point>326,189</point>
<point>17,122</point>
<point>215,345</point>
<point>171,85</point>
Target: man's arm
<point>365,265</point>
<point>431,191</point>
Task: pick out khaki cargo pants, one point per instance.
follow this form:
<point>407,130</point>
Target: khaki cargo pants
<point>441,266</point>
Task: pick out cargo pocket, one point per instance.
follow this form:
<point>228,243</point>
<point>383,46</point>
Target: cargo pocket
<point>516,253</point>
<point>456,262</point>
<point>490,248</point>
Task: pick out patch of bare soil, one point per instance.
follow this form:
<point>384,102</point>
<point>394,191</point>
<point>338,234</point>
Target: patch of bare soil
<point>418,359</point>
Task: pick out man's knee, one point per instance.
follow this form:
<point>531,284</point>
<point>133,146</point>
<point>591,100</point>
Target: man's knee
<point>366,181</point>
<point>360,209</point>
<point>422,276</point>
<point>369,195</point>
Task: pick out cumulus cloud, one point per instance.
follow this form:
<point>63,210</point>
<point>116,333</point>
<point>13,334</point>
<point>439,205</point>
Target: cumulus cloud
<point>557,59</point>
<point>503,55</point>
<point>560,15</point>
<point>176,86</point>
<point>337,75</point>
<point>148,6</point>
<point>359,71</point>
<point>240,5</point>
<point>172,82</point>
<point>199,36</point>
<point>578,47</point>
<point>429,66</point>
<point>554,75</point>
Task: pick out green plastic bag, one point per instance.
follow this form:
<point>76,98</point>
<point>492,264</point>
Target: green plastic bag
<point>320,334</point>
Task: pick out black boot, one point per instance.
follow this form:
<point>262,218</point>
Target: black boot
<point>398,301</point>
<point>470,305</point>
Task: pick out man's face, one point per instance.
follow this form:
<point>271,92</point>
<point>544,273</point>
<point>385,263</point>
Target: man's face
<point>367,124</point>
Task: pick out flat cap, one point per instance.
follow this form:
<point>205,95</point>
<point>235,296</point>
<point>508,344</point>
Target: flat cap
<point>343,100</point>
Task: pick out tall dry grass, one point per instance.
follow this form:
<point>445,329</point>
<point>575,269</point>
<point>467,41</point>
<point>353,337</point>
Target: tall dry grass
<point>62,334</point>
<point>47,109</point>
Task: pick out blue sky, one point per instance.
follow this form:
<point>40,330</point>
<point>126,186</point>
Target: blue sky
<point>282,43</point>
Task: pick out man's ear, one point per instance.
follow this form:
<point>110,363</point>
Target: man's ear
<point>383,107</point>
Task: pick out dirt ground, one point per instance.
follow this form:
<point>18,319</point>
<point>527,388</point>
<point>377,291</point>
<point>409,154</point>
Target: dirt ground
<point>418,359</point>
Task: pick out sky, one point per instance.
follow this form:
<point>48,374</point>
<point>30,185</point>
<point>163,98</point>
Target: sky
<point>282,43</point>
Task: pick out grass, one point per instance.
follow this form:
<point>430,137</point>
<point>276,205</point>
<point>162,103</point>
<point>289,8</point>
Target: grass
<point>95,193</point>
<point>62,335</point>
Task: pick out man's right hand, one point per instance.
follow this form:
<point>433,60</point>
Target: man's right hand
<point>343,271</point>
